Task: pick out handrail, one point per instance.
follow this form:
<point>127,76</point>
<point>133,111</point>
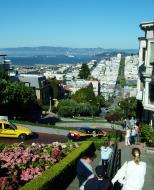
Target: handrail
<point>114,162</point>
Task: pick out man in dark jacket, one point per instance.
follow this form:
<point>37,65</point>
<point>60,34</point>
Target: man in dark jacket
<point>99,182</point>
<point>84,170</point>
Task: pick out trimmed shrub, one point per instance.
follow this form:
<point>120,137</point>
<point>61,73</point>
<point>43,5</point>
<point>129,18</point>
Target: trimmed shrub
<point>61,174</point>
<point>147,135</point>
<point>112,117</point>
<point>2,146</point>
<point>99,142</point>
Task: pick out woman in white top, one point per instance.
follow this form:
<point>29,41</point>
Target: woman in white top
<point>131,174</point>
<point>127,136</point>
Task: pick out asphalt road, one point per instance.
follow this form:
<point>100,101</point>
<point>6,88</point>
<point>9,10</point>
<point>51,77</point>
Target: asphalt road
<point>42,138</point>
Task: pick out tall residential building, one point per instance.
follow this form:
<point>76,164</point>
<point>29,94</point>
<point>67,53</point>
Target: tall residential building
<point>145,83</point>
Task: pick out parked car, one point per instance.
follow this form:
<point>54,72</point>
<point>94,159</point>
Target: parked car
<point>85,132</point>
<point>8,129</point>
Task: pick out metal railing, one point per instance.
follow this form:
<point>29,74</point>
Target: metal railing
<point>114,162</point>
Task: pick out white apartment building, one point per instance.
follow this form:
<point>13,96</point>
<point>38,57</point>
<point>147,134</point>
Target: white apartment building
<point>75,85</point>
<point>145,83</point>
<point>131,67</point>
<point>50,75</point>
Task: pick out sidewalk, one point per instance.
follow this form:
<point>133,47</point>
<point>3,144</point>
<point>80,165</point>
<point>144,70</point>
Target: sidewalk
<point>146,157</point>
<point>126,156</point>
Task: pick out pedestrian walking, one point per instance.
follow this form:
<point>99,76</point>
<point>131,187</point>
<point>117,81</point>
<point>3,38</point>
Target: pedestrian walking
<point>84,169</point>
<point>127,136</point>
<point>99,182</point>
<point>131,175</point>
<point>133,136</point>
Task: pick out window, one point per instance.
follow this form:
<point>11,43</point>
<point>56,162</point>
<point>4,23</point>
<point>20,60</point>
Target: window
<point>152,52</point>
<point>7,126</point>
<point>143,58</point>
<point>0,125</point>
<point>151,92</point>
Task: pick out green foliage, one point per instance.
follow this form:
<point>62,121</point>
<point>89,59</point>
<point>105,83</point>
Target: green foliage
<point>84,71</point>
<point>61,174</point>
<point>147,135</point>
<point>128,106</point>
<point>2,146</point>
<point>55,89</point>
<point>17,100</point>
<point>83,103</point>
<point>67,108</point>
<point>70,108</point>
<point>98,142</point>
<point>84,95</point>
<point>100,101</point>
<point>83,109</point>
<point>121,78</point>
<point>3,75</point>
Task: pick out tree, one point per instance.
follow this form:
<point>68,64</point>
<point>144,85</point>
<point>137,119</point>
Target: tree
<point>84,71</point>
<point>70,108</point>
<point>128,106</point>
<point>101,101</point>
<point>67,108</point>
<point>18,100</point>
<point>84,95</point>
<point>83,109</point>
<point>55,90</point>
<point>3,75</point>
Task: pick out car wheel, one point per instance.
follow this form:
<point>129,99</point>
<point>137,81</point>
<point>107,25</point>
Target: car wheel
<point>22,137</point>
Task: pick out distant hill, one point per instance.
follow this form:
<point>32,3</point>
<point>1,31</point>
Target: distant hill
<point>53,51</point>
<point>109,54</point>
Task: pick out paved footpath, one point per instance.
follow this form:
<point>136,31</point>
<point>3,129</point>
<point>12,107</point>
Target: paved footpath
<point>146,157</point>
<point>88,124</point>
<point>126,156</point>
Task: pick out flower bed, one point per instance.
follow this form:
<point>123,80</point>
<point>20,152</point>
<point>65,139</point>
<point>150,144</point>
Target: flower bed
<point>21,163</point>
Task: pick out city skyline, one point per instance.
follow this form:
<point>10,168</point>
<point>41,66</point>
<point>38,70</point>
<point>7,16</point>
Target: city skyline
<point>76,24</point>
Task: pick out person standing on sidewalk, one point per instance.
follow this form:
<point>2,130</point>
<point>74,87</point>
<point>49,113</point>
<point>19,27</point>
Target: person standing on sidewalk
<point>131,175</point>
<point>106,152</point>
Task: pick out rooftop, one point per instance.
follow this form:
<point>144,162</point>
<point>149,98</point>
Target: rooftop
<point>147,25</point>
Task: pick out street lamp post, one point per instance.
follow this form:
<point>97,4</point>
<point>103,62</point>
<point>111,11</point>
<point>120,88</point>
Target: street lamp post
<point>50,104</point>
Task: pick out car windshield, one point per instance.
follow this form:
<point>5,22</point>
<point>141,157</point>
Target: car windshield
<point>81,130</point>
<point>13,126</point>
<point>85,130</point>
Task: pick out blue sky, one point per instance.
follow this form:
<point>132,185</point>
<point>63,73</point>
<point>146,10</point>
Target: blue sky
<point>73,23</point>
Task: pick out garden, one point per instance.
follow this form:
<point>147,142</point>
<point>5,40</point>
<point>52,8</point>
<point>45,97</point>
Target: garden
<point>20,163</point>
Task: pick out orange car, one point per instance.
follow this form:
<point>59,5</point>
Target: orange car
<point>85,132</point>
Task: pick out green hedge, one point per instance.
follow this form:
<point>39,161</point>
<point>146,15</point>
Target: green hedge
<point>2,146</point>
<point>98,142</point>
<point>59,176</point>
<point>147,135</point>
